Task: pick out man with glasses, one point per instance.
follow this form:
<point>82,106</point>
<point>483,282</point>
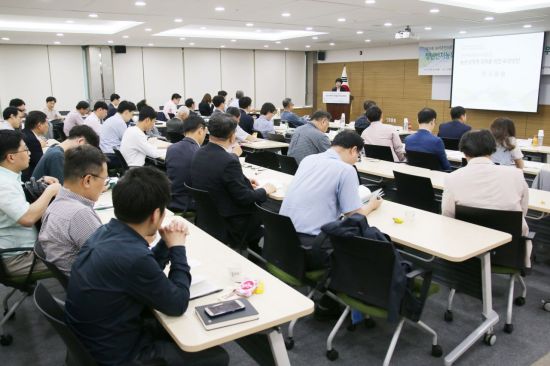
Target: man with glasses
<point>17,216</point>
<point>51,164</point>
<point>70,219</point>
<point>12,119</point>
<point>310,138</point>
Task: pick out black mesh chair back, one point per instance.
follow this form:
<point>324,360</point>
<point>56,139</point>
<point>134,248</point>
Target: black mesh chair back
<point>288,164</point>
<point>508,255</point>
<point>76,353</point>
<point>121,159</point>
<point>282,247</point>
<point>416,192</point>
<point>275,137</point>
<point>360,130</point>
<point>61,277</point>
<point>423,160</point>
<point>362,268</point>
<point>207,216</point>
<point>174,137</point>
<point>58,133</point>
<point>379,152</point>
<point>161,117</point>
<point>267,159</point>
<point>450,144</point>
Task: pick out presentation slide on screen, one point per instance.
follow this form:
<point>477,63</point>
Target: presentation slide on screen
<point>498,73</point>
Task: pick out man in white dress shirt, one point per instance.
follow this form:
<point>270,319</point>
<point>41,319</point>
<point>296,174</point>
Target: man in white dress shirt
<point>134,146</point>
<point>95,119</point>
<point>76,117</point>
<point>12,119</point>
<point>235,102</point>
<point>171,107</point>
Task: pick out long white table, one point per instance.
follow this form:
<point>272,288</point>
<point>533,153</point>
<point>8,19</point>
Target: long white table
<point>278,304</point>
<point>529,167</point>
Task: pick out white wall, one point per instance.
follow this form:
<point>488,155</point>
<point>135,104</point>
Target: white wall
<point>202,72</point>
<point>67,63</point>
<point>237,72</point>
<point>295,78</point>
<point>400,52</point>
<point>162,74</point>
<point>128,74</point>
<point>270,77</point>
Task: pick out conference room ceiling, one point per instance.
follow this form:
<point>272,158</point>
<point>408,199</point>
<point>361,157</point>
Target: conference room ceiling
<point>336,24</point>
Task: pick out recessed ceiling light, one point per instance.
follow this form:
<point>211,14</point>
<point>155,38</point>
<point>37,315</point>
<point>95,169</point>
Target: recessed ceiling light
<point>308,46</point>
<point>150,44</point>
<point>227,32</point>
<point>192,44</point>
<point>285,14</point>
<point>178,20</point>
<point>331,44</point>
<point>341,19</point>
<point>57,42</point>
<point>370,1</point>
<point>278,42</point>
<point>286,48</point>
<point>434,11</point>
<point>427,28</point>
<point>182,38</point>
<point>125,36</point>
<point>203,28</point>
<point>462,32</point>
<point>367,40</point>
<point>527,26</point>
<point>69,21</point>
<point>249,24</point>
<point>222,46</point>
<point>309,28</point>
<point>359,32</point>
<point>59,34</point>
<point>93,15</point>
<point>233,40</point>
<point>56,25</point>
<point>387,24</point>
<point>315,38</point>
<point>109,41</point>
<point>219,8</point>
<point>5,39</point>
<point>140,3</point>
<point>258,30</point>
<point>148,29</point>
<point>489,18</point>
<point>266,46</point>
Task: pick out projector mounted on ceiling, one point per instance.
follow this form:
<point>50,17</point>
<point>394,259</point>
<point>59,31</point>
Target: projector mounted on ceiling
<point>404,34</point>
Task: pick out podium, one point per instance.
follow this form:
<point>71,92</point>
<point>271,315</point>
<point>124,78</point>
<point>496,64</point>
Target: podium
<point>338,103</point>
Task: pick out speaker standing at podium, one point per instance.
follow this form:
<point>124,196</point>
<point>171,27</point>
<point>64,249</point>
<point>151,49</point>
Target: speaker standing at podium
<point>339,87</point>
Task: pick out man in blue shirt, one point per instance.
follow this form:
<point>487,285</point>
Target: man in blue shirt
<point>457,127</point>
<point>264,123</point>
<point>325,187</point>
<point>116,278</point>
<point>424,141</point>
<point>290,117</point>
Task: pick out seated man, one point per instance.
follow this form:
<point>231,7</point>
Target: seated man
<point>457,127</point>
<point>221,174</point>
<point>247,122</point>
<point>76,117</point>
<point>483,184</point>
<point>36,126</point>
<point>171,106</point>
<point>235,102</point>
<point>12,119</point>
<point>132,279</point>
<point>384,135</point>
<point>178,162</point>
<point>219,104</point>
<point>71,219</point>
<point>310,138</point>
<point>363,122</point>
<point>290,117</point>
<point>190,103</point>
<point>175,125</point>
<point>424,141</point>
<point>51,164</point>
<point>242,135</point>
<point>51,112</point>
<point>114,127</point>
<point>134,146</point>
<point>325,187</point>
<point>17,216</point>
<point>95,119</point>
<point>264,123</point>
<point>115,101</point>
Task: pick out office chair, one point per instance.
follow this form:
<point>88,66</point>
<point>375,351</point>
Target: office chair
<point>450,144</point>
<point>267,159</point>
<point>423,160</point>
<point>57,273</point>
<point>416,192</point>
<point>58,133</point>
<point>161,116</point>
<point>379,152</point>
<point>258,134</point>
<point>361,278</point>
<point>360,130</point>
<point>24,283</point>
<point>288,164</point>
<point>508,259</point>
<point>279,138</point>
<point>174,137</point>
<point>286,258</point>
<point>122,161</point>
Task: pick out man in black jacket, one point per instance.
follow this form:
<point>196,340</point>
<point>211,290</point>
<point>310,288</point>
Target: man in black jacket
<point>36,126</point>
<point>247,122</point>
<point>117,277</point>
<point>216,170</point>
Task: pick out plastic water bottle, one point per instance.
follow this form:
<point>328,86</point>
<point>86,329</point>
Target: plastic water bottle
<point>540,137</point>
<point>343,120</point>
<point>405,124</point>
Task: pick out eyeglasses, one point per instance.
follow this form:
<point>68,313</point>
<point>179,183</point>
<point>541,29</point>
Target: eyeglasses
<point>105,183</point>
<point>20,151</point>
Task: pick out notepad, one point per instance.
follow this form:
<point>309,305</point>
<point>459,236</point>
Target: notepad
<point>248,314</point>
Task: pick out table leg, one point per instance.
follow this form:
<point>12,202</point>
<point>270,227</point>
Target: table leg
<point>491,317</point>
<point>277,344</point>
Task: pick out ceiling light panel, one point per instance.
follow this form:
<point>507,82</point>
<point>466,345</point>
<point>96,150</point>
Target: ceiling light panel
<point>495,6</point>
<point>56,25</point>
<point>196,31</point>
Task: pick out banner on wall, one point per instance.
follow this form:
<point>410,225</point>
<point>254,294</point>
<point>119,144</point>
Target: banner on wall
<point>436,58</point>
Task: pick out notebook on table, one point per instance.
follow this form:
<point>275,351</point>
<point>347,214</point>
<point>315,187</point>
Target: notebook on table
<point>248,314</point>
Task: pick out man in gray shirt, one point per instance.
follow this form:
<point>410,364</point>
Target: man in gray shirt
<point>310,138</point>
<point>70,219</point>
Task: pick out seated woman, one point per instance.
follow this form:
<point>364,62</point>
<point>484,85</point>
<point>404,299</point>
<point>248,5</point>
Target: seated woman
<point>507,153</point>
<point>484,184</point>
